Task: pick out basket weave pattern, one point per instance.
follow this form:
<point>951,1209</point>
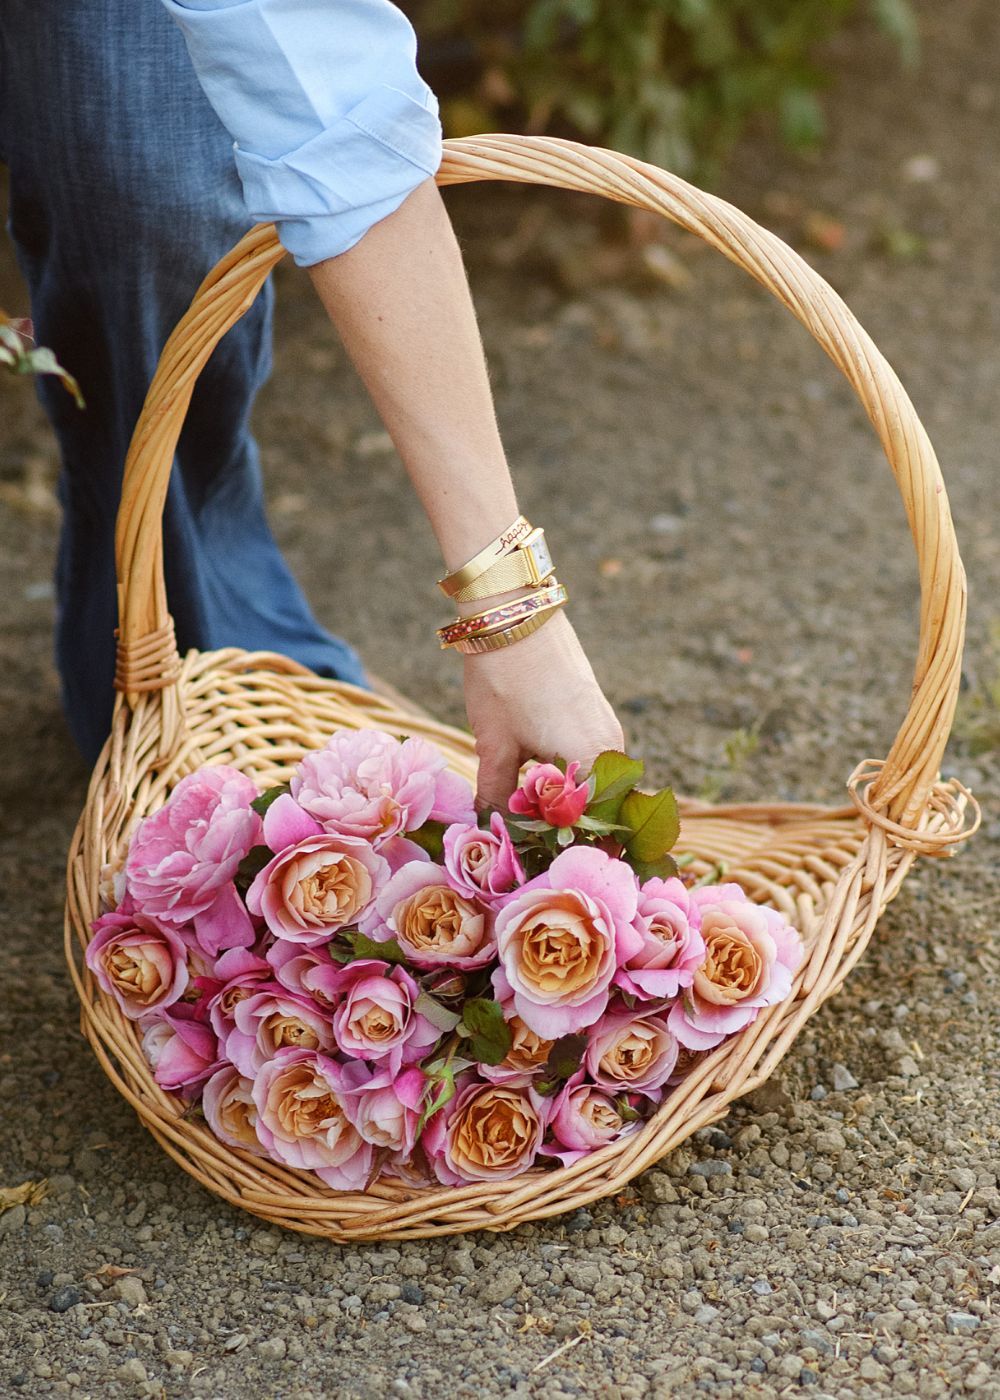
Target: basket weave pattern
<point>831,871</point>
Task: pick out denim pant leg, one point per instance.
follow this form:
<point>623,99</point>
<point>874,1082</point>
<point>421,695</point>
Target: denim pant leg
<point>123,193</point>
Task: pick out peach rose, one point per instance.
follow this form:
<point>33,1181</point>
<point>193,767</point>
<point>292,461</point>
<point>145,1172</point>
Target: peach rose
<point>313,889</point>
<point>302,1119</point>
<point>628,1052</point>
<point>433,924</point>
<point>751,952</point>
<point>143,966</point>
<point>489,1132</point>
<point>230,1110</point>
<point>274,1020</point>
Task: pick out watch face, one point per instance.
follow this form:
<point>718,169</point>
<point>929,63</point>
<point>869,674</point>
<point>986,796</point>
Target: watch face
<point>541,559</point>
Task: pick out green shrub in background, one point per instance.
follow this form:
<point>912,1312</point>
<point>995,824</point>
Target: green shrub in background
<point>672,81</point>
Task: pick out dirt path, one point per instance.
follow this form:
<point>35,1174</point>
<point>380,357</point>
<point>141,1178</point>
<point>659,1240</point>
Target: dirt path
<point>740,565</point>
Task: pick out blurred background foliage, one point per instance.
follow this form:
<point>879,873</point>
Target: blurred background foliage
<point>672,81</point>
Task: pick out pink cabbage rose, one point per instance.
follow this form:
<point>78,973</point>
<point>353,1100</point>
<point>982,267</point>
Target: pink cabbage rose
<point>666,946</point>
<point>239,974</point>
<point>301,1098</point>
<point>308,972</point>
<point>631,1052</point>
<point>183,1052</point>
<point>311,890</point>
<point>548,795</point>
<point>376,1017</point>
<point>751,952</point>
<point>372,786</point>
<point>143,966</point>
<point>584,1118</point>
<point>482,864</point>
<point>387,1110</point>
<point>487,1132</point>
<point>430,920</point>
<point>271,1021</point>
<point>558,940</point>
<point>230,1110</point>
<point>182,860</point>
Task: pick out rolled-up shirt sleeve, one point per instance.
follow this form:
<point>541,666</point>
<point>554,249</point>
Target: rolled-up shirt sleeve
<point>332,124</point>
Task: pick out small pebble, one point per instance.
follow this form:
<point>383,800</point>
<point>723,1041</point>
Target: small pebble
<point>713,1166</point>
<point>761,1287</point>
<point>842,1079</point>
<point>962,1322</point>
<point>411,1293</point>
<point>65,1298</point>
<point>271,1349</point>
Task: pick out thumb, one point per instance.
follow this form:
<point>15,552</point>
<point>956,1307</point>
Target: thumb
<point>496,778</point>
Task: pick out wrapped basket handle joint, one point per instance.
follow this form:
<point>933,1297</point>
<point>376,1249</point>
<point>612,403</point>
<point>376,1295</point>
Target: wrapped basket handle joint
<point>831,871</point>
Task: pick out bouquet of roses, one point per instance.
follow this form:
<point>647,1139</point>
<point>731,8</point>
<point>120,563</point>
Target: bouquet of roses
<point>354,975</point>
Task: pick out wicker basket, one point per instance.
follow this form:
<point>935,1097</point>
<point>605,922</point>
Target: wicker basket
<point>831,871</point>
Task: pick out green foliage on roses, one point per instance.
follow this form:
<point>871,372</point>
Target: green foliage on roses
<point>641,827</point>
<point>20,355</point>
<point>268,798</point>
<point>487,1036</point>
<point>672,81</point>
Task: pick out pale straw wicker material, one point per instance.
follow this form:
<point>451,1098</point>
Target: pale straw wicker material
<point>832,871</point>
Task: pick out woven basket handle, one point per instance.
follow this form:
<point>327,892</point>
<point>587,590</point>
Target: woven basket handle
<point>900,787</point>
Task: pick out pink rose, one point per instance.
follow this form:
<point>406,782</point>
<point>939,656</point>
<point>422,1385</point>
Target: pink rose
<point>631,1053</point>
<point>372,786</point>
<point>751,952</point>
<point>558,940</point>
<point>238,975</point>
<point>182,1052</point>
<point>487,1132</point>
<point>482,864</point>
<point>308,972</point>
<point>143,966</point>
<point>230,1111</point>
<point>432,923</point>
<point>666,946</point>
<point>182,860</point>
<point>584,1118</point>
<point>302,1120</point>
<point>376,1017</point>
<point>386,1113</point>
<point>311,890</point>
<point>550,796</point>
<point>271,1021</point>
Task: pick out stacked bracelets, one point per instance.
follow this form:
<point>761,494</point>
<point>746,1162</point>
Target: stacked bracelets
<point>517,558</point>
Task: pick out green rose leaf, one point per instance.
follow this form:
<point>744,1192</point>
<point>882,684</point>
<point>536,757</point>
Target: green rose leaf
<point>436,1012</point>
<point>613,775</point>
<point>363,947</point>
<point>661,869</point>
<point>487,1032</point>
<point>655,823</point>
<point>250,867</point>
<point>565,1058</point>
<point>260,804</point>
<point>430,838</point>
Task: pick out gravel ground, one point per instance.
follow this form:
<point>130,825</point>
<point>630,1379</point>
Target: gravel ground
<point>734,526</point>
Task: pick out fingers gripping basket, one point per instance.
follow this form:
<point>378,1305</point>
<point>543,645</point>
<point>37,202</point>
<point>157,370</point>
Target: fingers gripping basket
<point>831,871</point>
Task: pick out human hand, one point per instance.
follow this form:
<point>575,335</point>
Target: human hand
<point>538,698</point>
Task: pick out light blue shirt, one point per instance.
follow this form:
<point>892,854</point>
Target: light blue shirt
<point>332,124</point>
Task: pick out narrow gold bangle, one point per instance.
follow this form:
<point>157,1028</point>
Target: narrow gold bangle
<point>551,593</point>
<point>506,636</point>
<point>487,556</point>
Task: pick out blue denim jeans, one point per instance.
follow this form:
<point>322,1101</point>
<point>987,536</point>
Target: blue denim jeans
<point>123,193</point>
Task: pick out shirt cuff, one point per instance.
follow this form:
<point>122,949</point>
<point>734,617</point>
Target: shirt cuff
<point>327,193</point>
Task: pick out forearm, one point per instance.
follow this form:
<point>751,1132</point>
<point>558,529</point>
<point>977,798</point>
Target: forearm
<point>401,303</point>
